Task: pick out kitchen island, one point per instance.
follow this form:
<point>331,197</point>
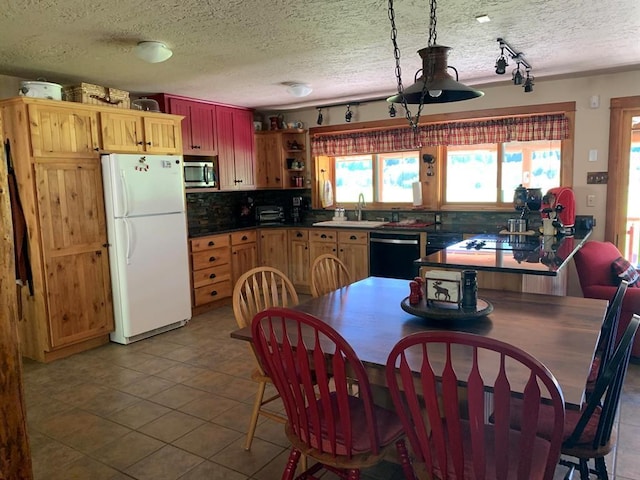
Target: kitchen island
<point>512,262</point>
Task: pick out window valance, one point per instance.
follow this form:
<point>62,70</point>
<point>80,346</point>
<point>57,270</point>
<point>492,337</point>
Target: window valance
<point>499,130</point>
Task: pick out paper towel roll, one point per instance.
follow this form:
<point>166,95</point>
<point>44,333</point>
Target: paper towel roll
<point>417,193</point>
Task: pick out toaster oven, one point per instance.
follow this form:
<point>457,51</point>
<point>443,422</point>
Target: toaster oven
<point>269,215</point>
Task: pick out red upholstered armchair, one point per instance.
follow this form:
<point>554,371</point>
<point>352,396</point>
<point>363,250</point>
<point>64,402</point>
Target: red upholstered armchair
<point>593,264</point>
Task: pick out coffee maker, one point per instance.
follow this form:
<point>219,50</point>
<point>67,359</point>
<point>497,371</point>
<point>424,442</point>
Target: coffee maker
<point>296,209</point>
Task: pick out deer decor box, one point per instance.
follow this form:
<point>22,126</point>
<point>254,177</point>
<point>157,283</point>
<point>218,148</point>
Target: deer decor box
<point>443,286</point>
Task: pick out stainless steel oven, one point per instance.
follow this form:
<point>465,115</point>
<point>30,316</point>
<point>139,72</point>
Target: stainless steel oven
<point>200,174</point>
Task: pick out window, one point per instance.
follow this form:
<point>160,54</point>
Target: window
<point>473,172</point>
<point>381,178</point>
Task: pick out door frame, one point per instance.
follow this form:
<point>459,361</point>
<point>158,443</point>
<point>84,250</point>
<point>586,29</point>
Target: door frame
<point>622,110</point>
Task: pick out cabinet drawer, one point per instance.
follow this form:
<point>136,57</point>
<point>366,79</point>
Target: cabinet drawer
<point>323,236</point>
<point>211,258</point>
<point>361,238</point>
<point>298,234</point>
<point>240,238</point>
<point>213,241</point>
<point>211,275</point>
<point>211,293</point>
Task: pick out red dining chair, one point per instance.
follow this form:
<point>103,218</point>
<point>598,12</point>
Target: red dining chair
<point>310,364</point>
<point>453,439</point>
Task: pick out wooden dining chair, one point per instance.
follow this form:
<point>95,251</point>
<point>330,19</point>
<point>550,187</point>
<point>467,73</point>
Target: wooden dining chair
<point>453,439</point>
<point>309,364</point>
<point>255,291</point>
<point>328,273</point>
<point>607,339</point>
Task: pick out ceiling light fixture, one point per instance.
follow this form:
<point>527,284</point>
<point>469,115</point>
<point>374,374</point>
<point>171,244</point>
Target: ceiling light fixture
<point>153,52</point>
<point>320,117</point>
<point>483,19</point>
<point>501,61</point>
<point>299,89</point>
<point>517,76</point>
<point>433,84</point>
<point>348,115</point>
<point>392,110</point>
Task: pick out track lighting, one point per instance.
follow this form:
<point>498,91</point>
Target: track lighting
<point>501,61</point>
<point>348,115</point>
<point>320,117</point>
<point>392,110</point>
<point>517,76</point>
<point>528,83</point>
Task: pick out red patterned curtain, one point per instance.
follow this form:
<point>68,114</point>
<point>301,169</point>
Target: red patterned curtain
<point>510,129</point>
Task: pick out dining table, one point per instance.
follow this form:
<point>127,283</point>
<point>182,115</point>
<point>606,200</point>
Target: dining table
<point>560,332</point>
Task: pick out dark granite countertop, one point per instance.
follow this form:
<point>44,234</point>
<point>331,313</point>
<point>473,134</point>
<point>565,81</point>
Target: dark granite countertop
<point>534,255</point>
<point>465,228</point>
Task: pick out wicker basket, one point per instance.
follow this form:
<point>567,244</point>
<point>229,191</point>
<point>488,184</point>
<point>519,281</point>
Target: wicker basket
<point>97,95</point>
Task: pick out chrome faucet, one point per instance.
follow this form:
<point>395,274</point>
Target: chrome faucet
<point>361,204</point>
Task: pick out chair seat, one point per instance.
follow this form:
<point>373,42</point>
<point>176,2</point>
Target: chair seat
<point>387,423</point>
<point>545,422</point>
<point>538,453</point>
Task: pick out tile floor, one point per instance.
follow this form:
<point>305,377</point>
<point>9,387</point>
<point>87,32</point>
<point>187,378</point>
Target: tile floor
<point>176,406</point>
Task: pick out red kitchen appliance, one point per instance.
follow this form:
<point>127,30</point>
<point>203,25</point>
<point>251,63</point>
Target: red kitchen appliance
<point>559,203</point>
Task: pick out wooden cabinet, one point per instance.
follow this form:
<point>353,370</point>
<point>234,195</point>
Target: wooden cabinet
<point>54,147</point>
<point>353,250</point>
<point>281,159</point>
<point>74,250</point>
<point>299,259</point>
<point>210,269</point>
<point>235,148</point>
<point>273,249</point>
<point>244,253</point>
<point>63,130</point>
<point>198,126</point>
<point>322,241</point>
<point>134,132</point>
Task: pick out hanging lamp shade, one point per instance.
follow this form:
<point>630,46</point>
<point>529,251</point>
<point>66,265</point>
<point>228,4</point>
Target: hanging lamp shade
<point>153,52</point>
<point>442,88</point>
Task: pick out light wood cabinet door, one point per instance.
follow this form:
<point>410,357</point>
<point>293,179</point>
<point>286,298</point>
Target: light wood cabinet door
<point>74,245</point>
<point>269,171</point>
<point>320,248</point>
<point>122,132</point>
<point>273,249</point>
<point>356,258</point>
<point>244,257</point>
<point>63,131</point>
<point>162,135</point>
<point>299,263</point>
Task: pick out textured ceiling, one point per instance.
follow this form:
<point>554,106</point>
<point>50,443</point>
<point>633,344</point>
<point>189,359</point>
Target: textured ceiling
<point>241,52</point>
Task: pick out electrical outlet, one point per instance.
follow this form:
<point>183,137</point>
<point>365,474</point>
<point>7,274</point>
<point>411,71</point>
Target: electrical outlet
<point>591,200</point>
<point>597,177</point>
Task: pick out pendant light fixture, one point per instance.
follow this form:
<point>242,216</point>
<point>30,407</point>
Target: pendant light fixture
<point>433,84</point>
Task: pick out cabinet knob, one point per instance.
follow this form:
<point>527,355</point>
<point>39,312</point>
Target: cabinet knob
<point>244,237</point>
<point>149,143</point>
<point>212,259</point>
<point>214,293</point>
<point>140,143</point>
<point>96,149</point>
<point>353,237</point>
<point>323,236</point>
<point>212,243</point>
<point>212,276</point>
<point>299,234</point>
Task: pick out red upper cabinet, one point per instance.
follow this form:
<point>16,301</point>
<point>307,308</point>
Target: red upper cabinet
<point>235,148</point>
<point>199,125</point>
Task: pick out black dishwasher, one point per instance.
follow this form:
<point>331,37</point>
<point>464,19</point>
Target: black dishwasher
<point>391,255</point>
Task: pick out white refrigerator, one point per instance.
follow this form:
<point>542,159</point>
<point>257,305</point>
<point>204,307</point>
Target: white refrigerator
<point>148,253</point>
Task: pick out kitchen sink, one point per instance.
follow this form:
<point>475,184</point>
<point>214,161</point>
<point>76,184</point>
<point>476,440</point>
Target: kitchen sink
<point>350,223</point>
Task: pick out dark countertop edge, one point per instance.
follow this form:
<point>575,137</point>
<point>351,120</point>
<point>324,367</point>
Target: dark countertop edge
<point>581,236</point>
<point>439,228</point>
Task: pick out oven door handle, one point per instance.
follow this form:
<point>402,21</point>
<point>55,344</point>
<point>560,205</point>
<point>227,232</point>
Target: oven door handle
<point>394,241</point>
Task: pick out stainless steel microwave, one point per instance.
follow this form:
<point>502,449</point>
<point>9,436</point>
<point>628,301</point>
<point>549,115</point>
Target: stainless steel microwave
<point>200,174</point>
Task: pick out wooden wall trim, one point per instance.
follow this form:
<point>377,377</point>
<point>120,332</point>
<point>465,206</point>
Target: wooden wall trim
<point>15,460</point>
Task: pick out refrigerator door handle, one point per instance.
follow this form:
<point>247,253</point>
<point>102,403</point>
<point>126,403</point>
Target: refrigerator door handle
<point>124,193</point>
<point>127,226</point>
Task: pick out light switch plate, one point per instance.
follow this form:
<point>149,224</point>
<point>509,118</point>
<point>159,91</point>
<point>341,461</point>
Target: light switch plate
<point>597,177</point>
